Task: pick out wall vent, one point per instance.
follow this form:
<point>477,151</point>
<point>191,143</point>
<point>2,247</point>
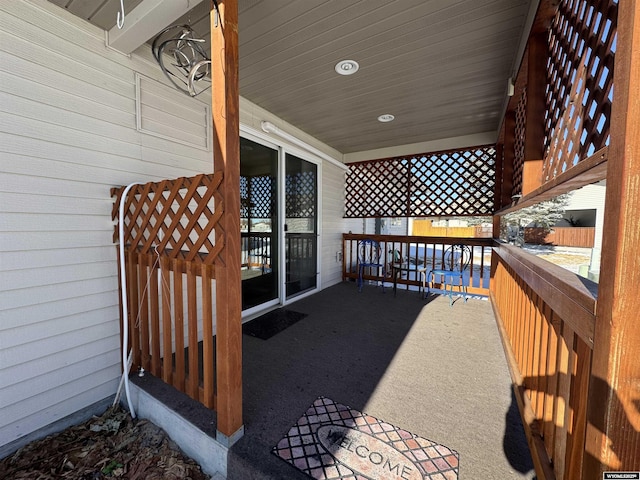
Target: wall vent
<point>164,112</point>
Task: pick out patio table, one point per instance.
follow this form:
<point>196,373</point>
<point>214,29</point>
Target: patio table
<point>397,269</point>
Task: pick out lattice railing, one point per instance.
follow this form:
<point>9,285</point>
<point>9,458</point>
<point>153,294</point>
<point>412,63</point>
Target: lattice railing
<point>172,217</point>
<point>169,228</point>
<point>580,89</point>
<point>451,183</point>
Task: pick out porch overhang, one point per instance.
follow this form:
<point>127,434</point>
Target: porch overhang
<point>145,21</point>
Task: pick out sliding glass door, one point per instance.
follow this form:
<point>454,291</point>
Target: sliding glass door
<point>301,225</point>
<point>278,225</point>
<point>259,224</point>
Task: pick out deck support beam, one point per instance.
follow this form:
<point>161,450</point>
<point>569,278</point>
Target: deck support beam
<point>613,428</point>
<point>508,150</point>
<point>225,109</point>
<point>536,108</point>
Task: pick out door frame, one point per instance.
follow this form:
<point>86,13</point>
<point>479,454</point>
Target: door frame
<point>283,148</point>
<point>307,157</point>
<point>253,135</point>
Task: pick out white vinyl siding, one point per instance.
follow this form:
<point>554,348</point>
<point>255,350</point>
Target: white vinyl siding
<point>67,135</point>
<point>332,223</point>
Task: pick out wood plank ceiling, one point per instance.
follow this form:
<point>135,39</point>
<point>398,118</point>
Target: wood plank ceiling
<point>439,66</point>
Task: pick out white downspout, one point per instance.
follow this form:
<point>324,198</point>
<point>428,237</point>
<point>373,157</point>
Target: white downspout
<point>125,303</point>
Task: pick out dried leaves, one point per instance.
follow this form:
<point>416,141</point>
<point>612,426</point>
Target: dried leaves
<point>110,446</point>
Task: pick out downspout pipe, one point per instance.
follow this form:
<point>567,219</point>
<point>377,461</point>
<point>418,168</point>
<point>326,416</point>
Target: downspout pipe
<point>125,302</point>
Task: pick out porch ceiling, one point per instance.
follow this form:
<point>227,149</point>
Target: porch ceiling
<point>440,66</point>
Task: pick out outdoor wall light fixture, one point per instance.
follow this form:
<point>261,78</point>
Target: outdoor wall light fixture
<point>386,118</point>
<point>511,89</point>
<point>347,67</point>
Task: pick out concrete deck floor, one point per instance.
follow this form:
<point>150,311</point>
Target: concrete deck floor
<point>421,365</point>
<point>434,370</point>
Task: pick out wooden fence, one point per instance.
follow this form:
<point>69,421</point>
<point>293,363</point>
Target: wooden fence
<point>169,262</point>
<point>162,294</point>
<point>424,228</point>
<point>561,236</point>
<point>546,318</point>
<point>418,253</point>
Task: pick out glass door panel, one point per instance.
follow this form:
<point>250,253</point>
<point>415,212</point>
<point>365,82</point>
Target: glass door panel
<point>301,231</point>
<point>258,223</point>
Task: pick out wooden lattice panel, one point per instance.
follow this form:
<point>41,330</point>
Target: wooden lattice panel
<point>452,183</point>
<point>173,217</point>
<point>519,143</point>
<point>580,89</point>
<point>377,188</point>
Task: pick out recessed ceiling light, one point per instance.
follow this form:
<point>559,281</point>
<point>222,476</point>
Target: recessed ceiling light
<point>347,67</point>
<point>387,117</point>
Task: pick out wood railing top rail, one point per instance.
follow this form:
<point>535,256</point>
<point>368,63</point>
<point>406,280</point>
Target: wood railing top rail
<point>571,296</point>
<point>419,239</point>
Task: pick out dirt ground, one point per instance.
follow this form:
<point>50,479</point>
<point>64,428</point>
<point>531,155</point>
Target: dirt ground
<point>110,446</point>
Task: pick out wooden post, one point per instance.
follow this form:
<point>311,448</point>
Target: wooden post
<point>536,107</point>
<point>509,156</point>
<point>497,205</point>
<point>497,193</point>
<point>613,429</point>
<point>226,153</point>
<point>494,258</point>
<point>536,90</point>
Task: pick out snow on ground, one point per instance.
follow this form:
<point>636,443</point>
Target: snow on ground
<point>570,258</point>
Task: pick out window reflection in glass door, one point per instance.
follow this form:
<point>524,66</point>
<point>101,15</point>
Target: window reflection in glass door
<point>301,232</point>
<point>258,223</point>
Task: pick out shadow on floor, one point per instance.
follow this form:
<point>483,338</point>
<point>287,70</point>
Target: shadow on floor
<point>514,439</point>
<point>434,370</point>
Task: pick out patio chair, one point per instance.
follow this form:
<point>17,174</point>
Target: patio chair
<point>369,256</point>
<point>456,261</point>
<point>393,257</point>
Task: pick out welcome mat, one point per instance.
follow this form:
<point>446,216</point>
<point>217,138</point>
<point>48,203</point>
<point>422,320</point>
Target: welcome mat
<point>332,441</point>
<point>275,321</point>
